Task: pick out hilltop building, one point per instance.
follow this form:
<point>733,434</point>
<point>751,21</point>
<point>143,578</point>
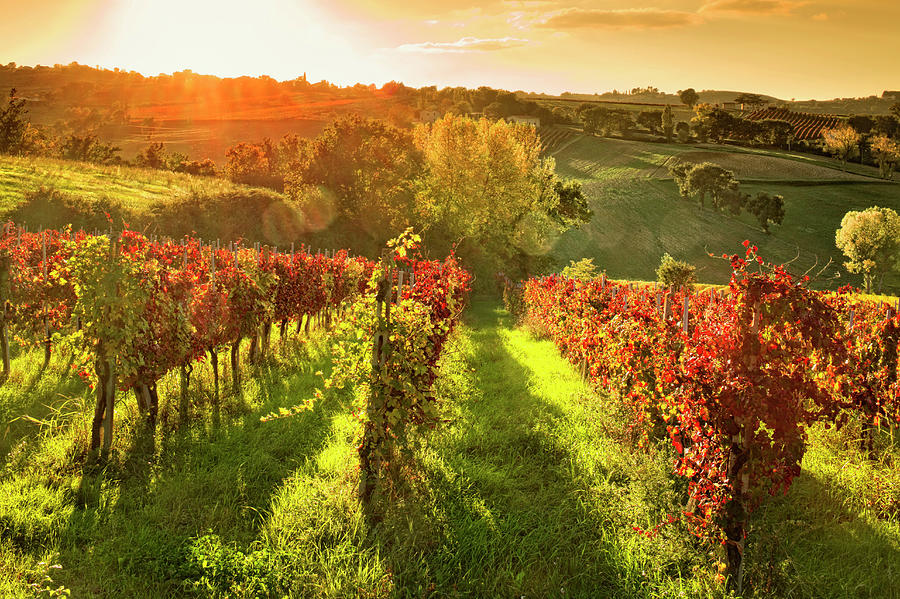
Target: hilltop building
<point>524,119</point>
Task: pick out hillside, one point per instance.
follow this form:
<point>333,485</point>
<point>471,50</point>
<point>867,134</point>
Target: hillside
<point>638,215</point>
<point>53,193</point>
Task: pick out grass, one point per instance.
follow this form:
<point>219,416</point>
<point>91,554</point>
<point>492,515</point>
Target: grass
<point>531,488</point>
<point>134,188</point>
<point>638,215</point>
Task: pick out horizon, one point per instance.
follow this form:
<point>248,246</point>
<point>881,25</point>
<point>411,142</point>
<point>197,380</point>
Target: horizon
<point>537,47</point>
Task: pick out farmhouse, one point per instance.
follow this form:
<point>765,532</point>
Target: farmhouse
<point>429,115</point>
<point>525,119</point>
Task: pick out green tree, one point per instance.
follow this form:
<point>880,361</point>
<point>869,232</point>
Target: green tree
<point>766,208</point>
<point>675,273</point>
<point>650,120</point>
<point>862,124</point>
<point>13,124</point>
<point>713,180</point>
<point>712,123</point>
<point>886,152</point>
<point>752,100</point>
<point>485,186</point>
<point>153,156</point>
<point>88,148</point>
<point>776,133</point>
<point>870,239</point>
<point>683,130</point>
<point>887,125</point>
<point>247,163</point>
<point>668,123</point>
<point>365,170</point>
<point>689,97</point>
<point>842,142</point>
<point>584,270</point>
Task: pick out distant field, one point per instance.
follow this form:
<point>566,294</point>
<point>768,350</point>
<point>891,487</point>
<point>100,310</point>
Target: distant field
<point>638,215</point>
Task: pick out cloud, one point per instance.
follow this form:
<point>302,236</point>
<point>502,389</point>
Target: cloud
<point>466,44</point>
<point>752,7</point>
<point>822,16</point>
<point>629,18</point>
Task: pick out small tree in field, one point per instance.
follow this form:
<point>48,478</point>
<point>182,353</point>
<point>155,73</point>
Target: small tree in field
<point>689,97</point>
<point>583,270</point>
<point>247,163</point>
<point>668,123</point>
<point>675,273</point>
<point>766,208</point>
<point>887,153</point>
<point>712,179</point>
<point>870,239</point>
<point>683,130</point>
<point>12,125</point>
<point>842,142</point>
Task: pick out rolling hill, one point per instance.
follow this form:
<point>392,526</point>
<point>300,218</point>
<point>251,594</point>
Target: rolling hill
<point>638,215</point>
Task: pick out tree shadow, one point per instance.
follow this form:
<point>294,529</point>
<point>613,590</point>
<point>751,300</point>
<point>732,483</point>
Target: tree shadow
<point>809,544</point>
<point>499,509</point>
<point>157,492</point>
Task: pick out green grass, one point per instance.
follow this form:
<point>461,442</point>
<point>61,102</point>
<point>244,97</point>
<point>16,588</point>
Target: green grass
<point>638,215</point>
<point>531,488</point>
<point>134,188</point>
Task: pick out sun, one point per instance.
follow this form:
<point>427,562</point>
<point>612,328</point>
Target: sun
<point>280,38</point>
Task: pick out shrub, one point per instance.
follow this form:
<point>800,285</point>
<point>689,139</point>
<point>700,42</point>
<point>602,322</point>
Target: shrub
<point>583,270</point>
<point>675,273</point>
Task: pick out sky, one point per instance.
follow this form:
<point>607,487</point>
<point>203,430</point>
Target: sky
<point>791,49</point>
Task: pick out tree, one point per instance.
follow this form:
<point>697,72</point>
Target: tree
<point>766,208</point>
<point>895,109</point>
<point>246,163</point>
<point>572,209</point>
<point>887,124</point>
<point>650,119</point>
<point>485,186</point>
<point>719,183</point>
<point>584,270</point>
<point>13,124</point>
<point>862,124</point>
<point>88,148</point>
<point>153,156</point>
<point>776,133</point>
<point>683,130</point>
<point>675,273</point>
<point>842,142</point>
<point>712,123</point>
<point>689,97</point>
<point>752,100</point>
<point>887,153</point>
<point>366,169</point>
<point>668,123</point>
<point>870,240</point>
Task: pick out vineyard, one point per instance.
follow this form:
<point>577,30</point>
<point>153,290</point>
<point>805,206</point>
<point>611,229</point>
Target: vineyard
<point>806,126</point>
<point>733,380</point>
<point>425,451</point>
<point>554,138</point>
<point>131,309</point>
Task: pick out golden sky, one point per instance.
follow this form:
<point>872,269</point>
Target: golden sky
<point>787,48</point>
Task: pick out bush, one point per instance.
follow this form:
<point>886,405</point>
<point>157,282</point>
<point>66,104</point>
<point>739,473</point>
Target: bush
<point>675,273</point>
<point>583,270</point>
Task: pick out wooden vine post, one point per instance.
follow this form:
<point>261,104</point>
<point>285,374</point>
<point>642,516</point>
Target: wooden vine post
<point>736,514</point>
<point>105,367</point>
<point>43,305</point>
<point>5,265</point>
<point>368,460</point>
